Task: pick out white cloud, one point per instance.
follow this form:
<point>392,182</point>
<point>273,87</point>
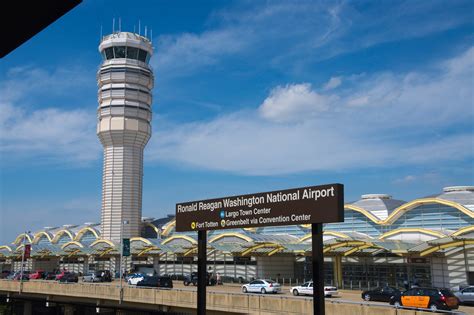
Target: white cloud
<point>51,133</point>
<point>333,83</point>
<point>401,120</point>
<point>31,130</point>
<point>287,35</point>
<point>287,103</point>
<point>187,52</point>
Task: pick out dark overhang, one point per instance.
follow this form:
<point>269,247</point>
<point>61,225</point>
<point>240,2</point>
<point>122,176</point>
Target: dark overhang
<point>22,20</point>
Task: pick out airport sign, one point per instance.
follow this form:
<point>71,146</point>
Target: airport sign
<point>315,204</point>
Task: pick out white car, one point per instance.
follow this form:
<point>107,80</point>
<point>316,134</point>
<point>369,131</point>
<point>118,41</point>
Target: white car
<point>262,286</point>
<point>307,289</point>
<point>466,295</point>
<point>135,278</point>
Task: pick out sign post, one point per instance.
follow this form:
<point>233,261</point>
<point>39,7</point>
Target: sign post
<point>202,273</point>
<point>313,205</point>
<point>318,268</point>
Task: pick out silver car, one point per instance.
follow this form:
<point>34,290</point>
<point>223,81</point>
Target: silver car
<point>90,277</point>
<point>466,295</point>
<point>262,286</point>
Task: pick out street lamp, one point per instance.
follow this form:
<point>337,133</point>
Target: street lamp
<point>121,260</point>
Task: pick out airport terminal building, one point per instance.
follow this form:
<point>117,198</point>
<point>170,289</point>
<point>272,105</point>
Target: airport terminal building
<point>426,241</point>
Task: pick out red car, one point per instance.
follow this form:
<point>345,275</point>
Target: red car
<point>62,274</point>
<point>39,274</point>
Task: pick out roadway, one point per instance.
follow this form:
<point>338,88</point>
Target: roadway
<point>344,295</point>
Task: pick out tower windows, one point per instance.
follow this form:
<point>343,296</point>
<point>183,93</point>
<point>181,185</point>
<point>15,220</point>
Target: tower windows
<point>109,53</point>
<point>132,53</point>
<point>119,51</point>
<point>126,52</point>
<point>142,55</point>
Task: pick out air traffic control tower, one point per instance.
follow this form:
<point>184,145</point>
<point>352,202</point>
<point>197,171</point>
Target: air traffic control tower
<point>125,81</point>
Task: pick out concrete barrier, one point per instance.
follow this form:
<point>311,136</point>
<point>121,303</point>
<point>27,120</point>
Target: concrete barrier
<point>217,302</point>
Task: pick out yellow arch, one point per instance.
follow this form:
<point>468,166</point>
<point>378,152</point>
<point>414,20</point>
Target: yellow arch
<point>157,230</point>
<point>141,239</point>
<point>407,207</point>
<point>231,234</point>
<point>38,236</point>
<point>168,227</point>
<point>262,245</point>
<point>464,230</point>
<point>436,248</point>
<point>252,229</point>
<point>412,230</point>
<point>345,244</point>
<point>105,252</point>
<point>366,213</point>
<point>146,250</point>
<point>20,237</point>
<point>6,247</point>
<point>80,234</point>
<point>333,233</point>
<point>356,249</point>
<point>398,212</point>
<point>72,243</point>
<point>59,233</point>
<point>177,237</point>
<point>99,241</point>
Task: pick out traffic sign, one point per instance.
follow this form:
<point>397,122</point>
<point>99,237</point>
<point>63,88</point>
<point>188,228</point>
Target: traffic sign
<point>126,247</point>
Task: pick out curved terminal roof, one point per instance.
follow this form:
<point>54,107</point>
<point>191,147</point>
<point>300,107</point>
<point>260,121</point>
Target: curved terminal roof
<point>380,205</point>
<point>463,195</point>
<point>381,209</point>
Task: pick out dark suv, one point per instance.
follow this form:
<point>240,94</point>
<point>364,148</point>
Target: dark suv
<point>432,298</point>
<point>193,279</point>
<point>156,282</point>
<point>104,275</point>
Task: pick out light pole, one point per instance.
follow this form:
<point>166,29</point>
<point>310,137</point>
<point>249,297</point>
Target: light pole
<point>121,259</point>
<point>23,261</point>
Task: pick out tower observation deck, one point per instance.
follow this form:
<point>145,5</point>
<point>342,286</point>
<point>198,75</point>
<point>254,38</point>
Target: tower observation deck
<point>125,81</point>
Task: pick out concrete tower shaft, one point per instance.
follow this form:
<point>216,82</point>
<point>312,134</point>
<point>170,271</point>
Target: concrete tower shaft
<point>124,115</point>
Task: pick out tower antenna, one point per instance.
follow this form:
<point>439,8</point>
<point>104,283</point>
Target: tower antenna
<point>113,25</point>
<point>151,35</point>
<point>145,31</point>
<point>120,24</point>
<point>139,27</point>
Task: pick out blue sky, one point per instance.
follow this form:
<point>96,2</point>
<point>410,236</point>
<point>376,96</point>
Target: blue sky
<point>249,96</point>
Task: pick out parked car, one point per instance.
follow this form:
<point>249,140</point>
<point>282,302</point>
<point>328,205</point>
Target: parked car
<point>307,289</point>
<point>90,277</point>
<point>193,279</point>
<point>104,275</point>
<point>156,282</point>
<point>466,295</point>
<point>5,274</point>
<point>69,277</point>
<point>135,278</point>
<point>381,294</point>
<point>26,276</point>
<point>60,275</point>
<point>262,286</point>
<point>50,276</point>
<point>432,298</point>
<point>39,274</point>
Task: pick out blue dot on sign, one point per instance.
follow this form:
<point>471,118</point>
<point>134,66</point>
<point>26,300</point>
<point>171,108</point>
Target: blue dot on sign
<point>222,214</point>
